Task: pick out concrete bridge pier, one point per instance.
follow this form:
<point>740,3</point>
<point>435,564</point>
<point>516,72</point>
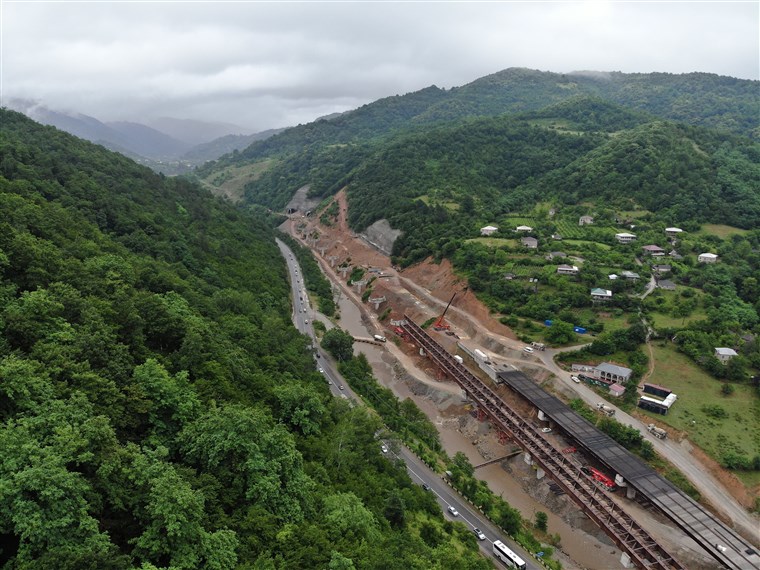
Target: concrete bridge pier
<point>528,459</point>
<point>540,473</point>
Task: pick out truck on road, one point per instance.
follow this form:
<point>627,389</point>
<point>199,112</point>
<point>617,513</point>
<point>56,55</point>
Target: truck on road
<point>605,409</point>
<point>379,337</point>
<point>657,432</point>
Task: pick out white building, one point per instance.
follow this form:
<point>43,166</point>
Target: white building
<point>567,270</point>
<point>707,258</point>
<point>725,354</point>
<point>613,372</point>
<point>673,232</point>
<point>601,294</point>
<point>625,238</point>
<point>488,230</point>
<point>585,221</point>
<point>523,229</point>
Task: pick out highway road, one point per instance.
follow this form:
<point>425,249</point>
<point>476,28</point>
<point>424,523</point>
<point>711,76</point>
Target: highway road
<point>418,471</point>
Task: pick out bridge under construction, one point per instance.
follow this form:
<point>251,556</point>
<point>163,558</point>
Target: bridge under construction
<point>635,542</point>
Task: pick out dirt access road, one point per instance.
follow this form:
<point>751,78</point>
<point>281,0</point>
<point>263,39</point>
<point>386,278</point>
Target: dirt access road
<point>424,290</point>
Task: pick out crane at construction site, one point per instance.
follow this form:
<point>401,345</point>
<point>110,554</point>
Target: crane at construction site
<point>440,324</point>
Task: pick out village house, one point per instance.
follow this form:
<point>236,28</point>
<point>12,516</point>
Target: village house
<point>602,295</point>
<point>666,284</point>
<point>555,255</point>
<point>567,270</point>
<point>662,269</point>
<point>625,237</point>
<point>673,232</point>
<point>529,242</point>
<point>630,275</point>
<point>618,374</point>
<point>488,230</point>
<point>585,221</point>
<point>675,255</point>
<point>725,354</point>
<point>707,258</point>
<point>523,229</point>
<point>557,237</point>
<point>653,250</point>
<point>613,277</point>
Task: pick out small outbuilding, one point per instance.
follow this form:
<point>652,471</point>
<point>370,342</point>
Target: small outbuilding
<point>617,390</point>
<point>725,354</point>
<point>707,258</point>
<point>488,230</point>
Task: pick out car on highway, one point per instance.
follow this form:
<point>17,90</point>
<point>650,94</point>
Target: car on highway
<point>453,511</point>
<point>306,322</point>
<point>479,533</point>
<point>426,487</point>
<point>384,448</point>
<point>340,387</point>
<point>575,379</point>
<point>321,371</point>
<point>547,430</point>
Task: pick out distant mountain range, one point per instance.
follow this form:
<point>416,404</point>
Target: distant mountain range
<point>166,144</point>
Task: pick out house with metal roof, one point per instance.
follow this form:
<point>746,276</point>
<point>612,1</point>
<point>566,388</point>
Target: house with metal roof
<point>725,354</point>
<point>613,372</point>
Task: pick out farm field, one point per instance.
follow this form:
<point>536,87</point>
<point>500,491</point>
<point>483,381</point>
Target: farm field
<point>732,425</point>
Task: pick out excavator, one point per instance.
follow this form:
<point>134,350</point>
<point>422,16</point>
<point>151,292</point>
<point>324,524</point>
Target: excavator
<point>440,324</point>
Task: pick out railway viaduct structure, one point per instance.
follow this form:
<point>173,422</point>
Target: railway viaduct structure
<point>637,545</point>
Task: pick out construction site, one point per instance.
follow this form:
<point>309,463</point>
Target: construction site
<point>503,417</point>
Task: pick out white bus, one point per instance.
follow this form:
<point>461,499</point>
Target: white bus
<point>503,553</point>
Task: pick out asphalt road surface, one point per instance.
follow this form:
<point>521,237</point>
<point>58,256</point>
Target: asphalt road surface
<point>418,471</point>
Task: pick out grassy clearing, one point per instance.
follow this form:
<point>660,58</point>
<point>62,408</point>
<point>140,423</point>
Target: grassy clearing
<point>230,182</point>
<point>510,223</point>
<point>608,319</point>
<point>582,242</point>
<point>493,242</point>
<point>739,431</point>
<point>722,231</point>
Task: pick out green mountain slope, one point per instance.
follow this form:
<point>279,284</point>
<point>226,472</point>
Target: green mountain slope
<point>680,172</point>
<point>698,98</point>
<point>157,408</point>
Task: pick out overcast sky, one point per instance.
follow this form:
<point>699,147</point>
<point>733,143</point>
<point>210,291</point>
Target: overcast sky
<point>264,65</point>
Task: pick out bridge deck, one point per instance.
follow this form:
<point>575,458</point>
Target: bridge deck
<point>690,516</point>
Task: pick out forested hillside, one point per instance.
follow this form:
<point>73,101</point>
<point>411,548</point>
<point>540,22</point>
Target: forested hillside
<point>158,409</point>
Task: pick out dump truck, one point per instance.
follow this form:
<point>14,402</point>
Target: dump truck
<point>657,432</point>
<point>605,409</point>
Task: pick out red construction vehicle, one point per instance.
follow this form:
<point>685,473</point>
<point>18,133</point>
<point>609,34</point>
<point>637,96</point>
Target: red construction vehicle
<point>440,324</point>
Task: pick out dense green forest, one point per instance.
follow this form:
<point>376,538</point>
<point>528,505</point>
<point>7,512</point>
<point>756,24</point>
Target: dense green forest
<point>158,408</point>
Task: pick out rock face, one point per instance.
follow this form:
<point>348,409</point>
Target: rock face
<point>381,236</point>
<point>301,202</point>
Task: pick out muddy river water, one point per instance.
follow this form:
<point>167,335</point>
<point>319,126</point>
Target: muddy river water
<point>585,551</point>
